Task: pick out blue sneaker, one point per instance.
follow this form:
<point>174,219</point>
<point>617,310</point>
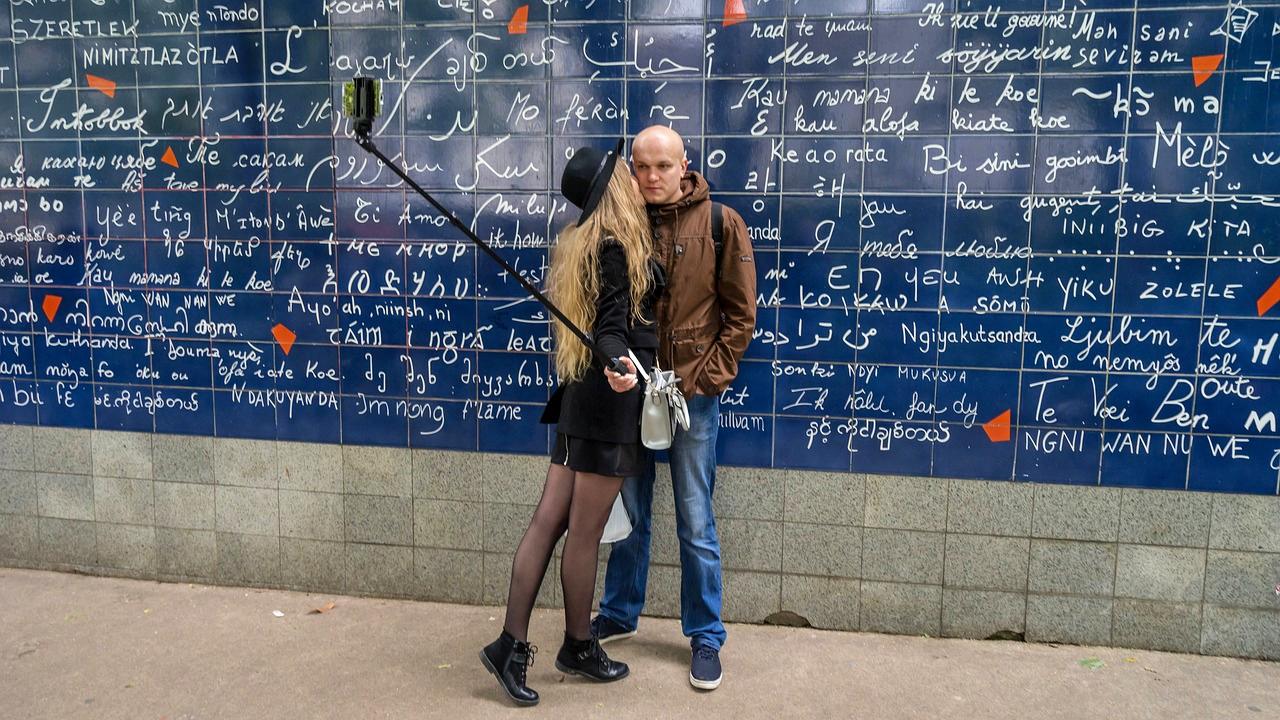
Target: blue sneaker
<point>606,630</point>
<point>704,668</point>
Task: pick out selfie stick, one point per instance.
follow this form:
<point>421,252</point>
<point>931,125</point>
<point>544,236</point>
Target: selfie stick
<point>362,102</point>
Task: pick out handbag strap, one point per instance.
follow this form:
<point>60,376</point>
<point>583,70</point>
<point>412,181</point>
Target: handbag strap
<point>639,366</point>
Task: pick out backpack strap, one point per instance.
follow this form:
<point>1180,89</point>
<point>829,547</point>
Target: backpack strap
<point>717,234</point>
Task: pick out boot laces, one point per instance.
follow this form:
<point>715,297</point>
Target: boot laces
<point>596,651</point>
<point>522,658</point>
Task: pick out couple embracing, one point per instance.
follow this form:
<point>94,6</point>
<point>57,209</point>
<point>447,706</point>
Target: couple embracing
<point>648,268</point>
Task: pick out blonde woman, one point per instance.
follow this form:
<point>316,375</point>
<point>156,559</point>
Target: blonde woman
<point>604,280</point>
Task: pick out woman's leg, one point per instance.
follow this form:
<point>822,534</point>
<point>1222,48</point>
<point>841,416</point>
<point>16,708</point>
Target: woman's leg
<point>588,512</point>
<point>534,553</point>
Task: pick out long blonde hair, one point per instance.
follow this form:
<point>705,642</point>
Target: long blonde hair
<point>575,267</point>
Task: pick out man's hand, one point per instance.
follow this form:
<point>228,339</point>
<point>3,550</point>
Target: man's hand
<point>622,383</point>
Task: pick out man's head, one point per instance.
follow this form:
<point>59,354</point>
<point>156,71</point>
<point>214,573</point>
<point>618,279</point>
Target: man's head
<point>659,162</point>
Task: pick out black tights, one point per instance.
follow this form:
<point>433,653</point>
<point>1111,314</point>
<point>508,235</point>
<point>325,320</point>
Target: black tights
<point>579,502</point>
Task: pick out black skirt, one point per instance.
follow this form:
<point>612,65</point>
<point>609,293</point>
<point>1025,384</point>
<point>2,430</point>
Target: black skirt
<point>598,457</point>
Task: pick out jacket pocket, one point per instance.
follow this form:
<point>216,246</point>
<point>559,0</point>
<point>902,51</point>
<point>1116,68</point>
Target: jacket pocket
<point>690,350</point>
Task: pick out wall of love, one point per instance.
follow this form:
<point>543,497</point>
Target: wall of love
<point>995,238</point>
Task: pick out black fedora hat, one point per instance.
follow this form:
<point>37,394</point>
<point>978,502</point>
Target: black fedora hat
<point>586,176</point>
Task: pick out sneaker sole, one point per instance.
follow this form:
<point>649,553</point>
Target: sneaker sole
<point>494,671</point>
<point>617,636</point>
<point>705,684</point>
<point>592,678</point>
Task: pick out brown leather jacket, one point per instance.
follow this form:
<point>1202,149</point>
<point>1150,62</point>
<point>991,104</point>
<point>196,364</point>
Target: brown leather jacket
<point>704,327</point>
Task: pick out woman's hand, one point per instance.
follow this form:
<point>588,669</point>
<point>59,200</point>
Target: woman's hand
<point>622,383</point>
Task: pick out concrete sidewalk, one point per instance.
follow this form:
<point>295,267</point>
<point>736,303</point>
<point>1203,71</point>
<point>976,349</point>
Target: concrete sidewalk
<point>87,647</point>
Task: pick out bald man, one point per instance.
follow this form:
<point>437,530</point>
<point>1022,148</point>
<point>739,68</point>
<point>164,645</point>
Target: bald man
<point>705,322</point>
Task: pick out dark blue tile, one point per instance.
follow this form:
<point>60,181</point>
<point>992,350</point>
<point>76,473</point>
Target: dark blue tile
<point>286,14</point>
<point>766,338</point>
<point>311,318</point>
<point>443,425</point>
<point>602,10</point>
<point>62,404</point>
<point>1159,227</point>
<point>812,389</point>
<point>186,412</point>
<point>822,335</point>
<point>1232,464</point>
<point>1240,230</point>
<point>743,105</point>
<point>744,439</point>
<point>742,163</point>
<point>373,420</point>
<point>230,58</point>
<point>1069,165</point>
<point>969,452</point>
<point>372,321</point>
<point>183,363</point>
<point>1076,103</point>
<point>510,427</point>
<point>1173,100</point>
<point>675,103</point>
<point>906,337</point>
<point>300,110</point>
<point>668,50</point>
<point>903,225</point>
<point>1072,284</point>
<point>20,401</point>
<point>1145,460</point>
<point>894,447</point>
<point>1168,39</point>
<point>894,164</point>
<point>125,407</point>
<point>987,164</point>
<point>752,391</point>
<point>1168,286</point>
<point>1058,455</point>
<point>311,419</point>
<point>369,214</point>
<point>1155,165</point>
<point>821,107</point>
<point>987,341</point>
<point>900,393</point>
<point>745,48</point>
<point>811,442</point>
<point>441,324</point>
<point>1066,400</point>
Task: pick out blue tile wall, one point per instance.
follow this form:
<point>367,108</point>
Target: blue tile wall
<point>1060,214</point>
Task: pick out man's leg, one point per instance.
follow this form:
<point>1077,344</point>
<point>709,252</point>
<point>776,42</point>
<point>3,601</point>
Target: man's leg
<point>627,574</point>
<point>693,477</point>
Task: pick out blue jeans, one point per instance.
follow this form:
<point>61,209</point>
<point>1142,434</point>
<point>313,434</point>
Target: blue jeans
<point>693,476</point>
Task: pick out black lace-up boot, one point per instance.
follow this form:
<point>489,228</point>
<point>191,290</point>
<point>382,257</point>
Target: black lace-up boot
<point>509,660</point>
<point>588,659</point>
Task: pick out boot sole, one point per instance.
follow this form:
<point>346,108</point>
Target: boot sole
<point>494,671</point>
<point>569,671</point>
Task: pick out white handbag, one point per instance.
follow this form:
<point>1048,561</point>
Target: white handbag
<point>663,408</point>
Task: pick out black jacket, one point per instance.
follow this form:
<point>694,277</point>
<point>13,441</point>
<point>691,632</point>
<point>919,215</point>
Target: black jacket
<point>589,408</point>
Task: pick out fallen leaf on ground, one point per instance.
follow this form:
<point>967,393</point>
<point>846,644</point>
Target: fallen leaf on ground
<point>1130,660</point>
<point>1092,663</point>
<point>323,608</point>
<point>445,666</point>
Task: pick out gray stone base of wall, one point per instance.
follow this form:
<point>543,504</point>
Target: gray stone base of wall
<point>1163,570</point>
